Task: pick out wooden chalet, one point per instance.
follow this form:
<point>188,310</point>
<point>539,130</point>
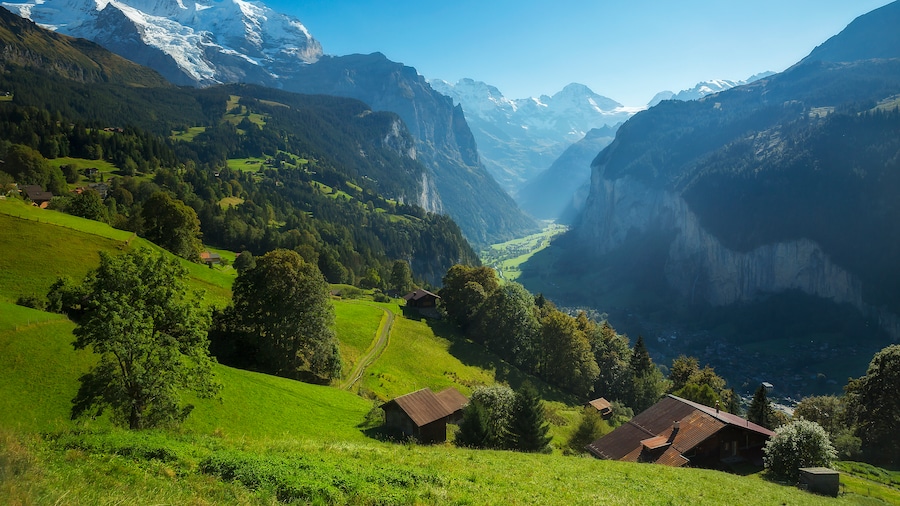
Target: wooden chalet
<point>37,195</point>
<point>677,432</point>
<point>423,414</point>
<point>421,299</point>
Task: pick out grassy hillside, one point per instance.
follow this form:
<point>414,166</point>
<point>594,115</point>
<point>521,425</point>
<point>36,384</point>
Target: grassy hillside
<point>268,440</point>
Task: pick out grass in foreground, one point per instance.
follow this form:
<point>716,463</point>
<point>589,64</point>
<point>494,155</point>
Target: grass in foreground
<point>155,467</point>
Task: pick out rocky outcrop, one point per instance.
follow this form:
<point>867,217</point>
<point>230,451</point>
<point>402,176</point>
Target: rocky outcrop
<point>699,267</point>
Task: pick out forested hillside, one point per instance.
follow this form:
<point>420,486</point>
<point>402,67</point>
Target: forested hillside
<point>260,168</point>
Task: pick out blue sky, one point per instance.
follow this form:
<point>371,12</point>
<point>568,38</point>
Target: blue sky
<point>626,50</point>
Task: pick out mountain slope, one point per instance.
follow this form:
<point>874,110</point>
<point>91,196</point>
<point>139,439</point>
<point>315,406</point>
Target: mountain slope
<point>237,41</point>
<point>856,41</point>
<point>190,43</point>
<point>771,199</point>
<point>24,43</point>
<point>457,183</point>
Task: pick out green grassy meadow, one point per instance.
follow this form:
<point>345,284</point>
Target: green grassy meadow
<point>268,440</point>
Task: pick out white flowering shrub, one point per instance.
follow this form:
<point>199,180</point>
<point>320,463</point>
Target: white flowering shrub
<point>799,444</point>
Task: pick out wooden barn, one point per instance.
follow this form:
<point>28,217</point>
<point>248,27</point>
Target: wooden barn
<point>424,414</point>
<point>677,432</point>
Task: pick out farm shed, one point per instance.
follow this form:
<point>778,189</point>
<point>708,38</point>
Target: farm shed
<point>423,414</point>
<point>602,406</point>
<point>677,432</point>
<point>820,480</point>
<point>37,195</point>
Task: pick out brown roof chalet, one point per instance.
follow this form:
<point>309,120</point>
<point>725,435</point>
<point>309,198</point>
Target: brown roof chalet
<point>602,406</point>
<point>424,406</point>
<point>676,432</point>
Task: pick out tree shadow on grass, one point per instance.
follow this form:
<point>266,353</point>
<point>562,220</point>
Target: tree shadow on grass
<point>473,354</point>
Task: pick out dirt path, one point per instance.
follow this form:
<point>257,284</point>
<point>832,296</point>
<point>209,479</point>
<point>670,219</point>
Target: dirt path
<point>379,344</point>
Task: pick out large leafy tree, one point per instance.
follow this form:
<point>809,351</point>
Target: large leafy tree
<point>283,318</point>
<point>876,407</point>
<point>401,277</point>
<point>28,166</point>
<point>613,356</point>
<point>172,224</point>
<point>566,359</point>
<point>507,324</point>
<point>464,290</point>
<point>150,334</point>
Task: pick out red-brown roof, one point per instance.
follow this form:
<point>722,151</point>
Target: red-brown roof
<point>424,406</point>
<point>452,399</point>
<point>654,428</point>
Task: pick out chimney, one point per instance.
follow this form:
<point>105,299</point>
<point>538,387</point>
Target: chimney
<point>676,425</point>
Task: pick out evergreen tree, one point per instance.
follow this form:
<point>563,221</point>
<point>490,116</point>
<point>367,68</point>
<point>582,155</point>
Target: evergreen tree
<point>590,428</point>
<point>760,411</point>
<point>474,430</point>
<point>647,382</point>
<point>528,426</point>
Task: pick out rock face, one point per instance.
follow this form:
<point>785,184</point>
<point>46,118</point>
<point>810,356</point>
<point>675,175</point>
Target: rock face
<point>190,43</point>
<point>697,265</point>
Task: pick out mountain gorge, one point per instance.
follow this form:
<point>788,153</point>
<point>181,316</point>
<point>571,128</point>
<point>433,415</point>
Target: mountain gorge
<point>245,42</point>
<point>781,186</point>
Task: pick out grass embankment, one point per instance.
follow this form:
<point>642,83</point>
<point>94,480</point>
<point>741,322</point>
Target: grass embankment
<point>40,245</point>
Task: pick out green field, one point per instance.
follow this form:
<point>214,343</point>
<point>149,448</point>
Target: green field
<point>269,440</point>
<point>507,258</point>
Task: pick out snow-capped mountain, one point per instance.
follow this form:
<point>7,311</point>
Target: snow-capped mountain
<point>705,88</point>
<point>189,42</point>
<point>519,138</point>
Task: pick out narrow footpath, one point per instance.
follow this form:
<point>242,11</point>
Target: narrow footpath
<point>379,344</point>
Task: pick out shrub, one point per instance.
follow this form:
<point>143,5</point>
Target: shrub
<point>798,444</point>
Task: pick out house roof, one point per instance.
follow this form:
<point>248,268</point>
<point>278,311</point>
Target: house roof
<point>656,427</point>
<point>36,193</point>
<point>420,294</point>
<point>600,404</point>
<point>424,406</point>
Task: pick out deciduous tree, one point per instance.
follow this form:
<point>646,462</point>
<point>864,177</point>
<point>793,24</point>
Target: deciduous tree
<point>150,335</point>
<point>875,405</point>
<point>283,316</point>
<point>172,225</point>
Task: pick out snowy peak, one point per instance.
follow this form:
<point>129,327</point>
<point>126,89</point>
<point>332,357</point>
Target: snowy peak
<point>204,42</point>
<point>519,138</point>
<point>705,88</point>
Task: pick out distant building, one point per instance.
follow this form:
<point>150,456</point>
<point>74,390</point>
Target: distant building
<point>768,386</point>
<point>210,258</point>
<point>602,406</point>
<point>37,195</point>
<point>423,414</point>
<point>677,432</point>
<point>421,299</point>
